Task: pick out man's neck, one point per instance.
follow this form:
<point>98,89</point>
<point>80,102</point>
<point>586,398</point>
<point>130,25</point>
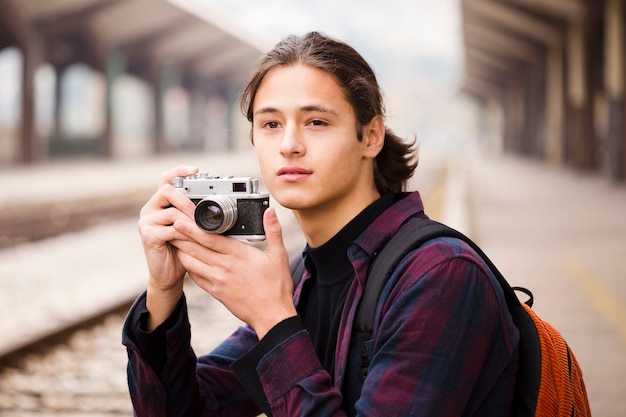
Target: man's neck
<point>321,223</point>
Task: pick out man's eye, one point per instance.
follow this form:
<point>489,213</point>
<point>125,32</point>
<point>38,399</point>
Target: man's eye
<point>318,123</point>
<point>271,125</point>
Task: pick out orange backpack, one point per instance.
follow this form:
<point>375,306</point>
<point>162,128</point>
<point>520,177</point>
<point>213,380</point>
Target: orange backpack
<point>561,387</point>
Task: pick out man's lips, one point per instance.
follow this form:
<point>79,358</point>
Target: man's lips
<point>293,173</point>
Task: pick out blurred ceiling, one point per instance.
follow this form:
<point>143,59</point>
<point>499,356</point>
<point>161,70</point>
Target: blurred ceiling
<point>147,35</point>
<point>506,39</point>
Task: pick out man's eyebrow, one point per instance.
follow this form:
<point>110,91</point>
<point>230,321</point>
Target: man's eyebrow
<point>315,108</point>
<point>306,109</point>
<point>266,110</point>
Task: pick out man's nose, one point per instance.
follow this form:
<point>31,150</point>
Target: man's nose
<point>291,142</point>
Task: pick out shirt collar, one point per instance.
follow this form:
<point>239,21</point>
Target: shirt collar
<point>407,205</point>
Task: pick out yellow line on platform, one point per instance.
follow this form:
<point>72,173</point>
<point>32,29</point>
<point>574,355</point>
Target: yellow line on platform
<point>601,298</point>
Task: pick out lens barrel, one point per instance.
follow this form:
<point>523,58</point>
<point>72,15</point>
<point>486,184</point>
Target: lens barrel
<point>216,214</point>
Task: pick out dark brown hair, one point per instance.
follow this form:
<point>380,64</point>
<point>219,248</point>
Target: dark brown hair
<point>397,160</point>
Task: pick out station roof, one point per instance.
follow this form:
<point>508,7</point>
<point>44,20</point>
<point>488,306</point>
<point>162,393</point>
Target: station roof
<point>506,39</point>
<point>149,35</point>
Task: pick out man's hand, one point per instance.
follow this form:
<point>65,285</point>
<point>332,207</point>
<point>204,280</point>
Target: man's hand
<point>255,285</point>
<point>156,220</point>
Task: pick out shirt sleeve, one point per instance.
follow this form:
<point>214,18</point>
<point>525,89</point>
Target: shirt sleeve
<point>184,385</point>
<point>246,367</point>
<point>241,377</point>
<point>152,344</point>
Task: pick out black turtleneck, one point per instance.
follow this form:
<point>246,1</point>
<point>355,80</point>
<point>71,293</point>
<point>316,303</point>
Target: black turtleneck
<point>324,295</point>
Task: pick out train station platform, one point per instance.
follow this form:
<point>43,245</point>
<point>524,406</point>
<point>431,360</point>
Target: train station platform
<point>561,234</point>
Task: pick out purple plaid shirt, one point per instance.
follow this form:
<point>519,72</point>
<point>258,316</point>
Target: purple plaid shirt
<point>443,344</point>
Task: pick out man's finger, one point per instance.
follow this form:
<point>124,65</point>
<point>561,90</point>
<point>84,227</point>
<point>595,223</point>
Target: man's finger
<point>215,242</point>
<point>273,231</point>
<point>181,171</point>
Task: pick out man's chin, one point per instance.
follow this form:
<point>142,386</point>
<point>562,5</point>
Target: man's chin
<point>293,206</point>
<point>292,202</point>
<point>287,197</point>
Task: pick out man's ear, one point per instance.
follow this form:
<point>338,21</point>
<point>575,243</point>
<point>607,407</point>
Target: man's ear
<point>373,137</point>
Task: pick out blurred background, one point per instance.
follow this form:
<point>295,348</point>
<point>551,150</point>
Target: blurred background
<point>129,78</point>
<point>518,106</point>
<point>110,79</point>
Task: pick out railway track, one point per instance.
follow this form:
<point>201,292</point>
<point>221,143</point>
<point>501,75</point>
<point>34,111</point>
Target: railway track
<point>19,225</point>
<point>82,370</point>
<point>59,372</point>
<point>84,375</point>
<point>39,221</point>
<point>42,344</point>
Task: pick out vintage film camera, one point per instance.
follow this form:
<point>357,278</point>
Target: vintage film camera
<point>231,206</point>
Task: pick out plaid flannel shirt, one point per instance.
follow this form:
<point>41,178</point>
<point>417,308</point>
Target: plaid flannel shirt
<point>443,344</point>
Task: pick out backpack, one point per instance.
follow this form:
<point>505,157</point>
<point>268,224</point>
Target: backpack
<point>549,379</point>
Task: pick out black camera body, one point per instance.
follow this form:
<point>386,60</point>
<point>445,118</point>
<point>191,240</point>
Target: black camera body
<point>231,206</point>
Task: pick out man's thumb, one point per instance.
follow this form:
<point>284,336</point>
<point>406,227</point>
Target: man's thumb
<point>273,230</point>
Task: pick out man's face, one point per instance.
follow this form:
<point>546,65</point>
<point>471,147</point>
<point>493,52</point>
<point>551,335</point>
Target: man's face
<point>306,142</point>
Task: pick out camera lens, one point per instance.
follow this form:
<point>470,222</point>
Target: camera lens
<point>216,214</point>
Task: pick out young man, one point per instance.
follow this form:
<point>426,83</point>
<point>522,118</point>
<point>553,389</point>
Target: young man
<point>443,343</point>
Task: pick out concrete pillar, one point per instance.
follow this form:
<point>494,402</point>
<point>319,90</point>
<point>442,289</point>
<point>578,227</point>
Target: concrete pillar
<point>534,111</point>
<point>495,121</point>
<point>614,69</point>
<point>515,99</point>
<point>554,105</point>
<point>579,149</point>
<point>164,76</point>
<point>238,126</point>
<point>197,119</point>
<point>57,116</point>
<point>32,52</point>
<point>218,130</point>
<point>114,67</point>
<point>158,139</point>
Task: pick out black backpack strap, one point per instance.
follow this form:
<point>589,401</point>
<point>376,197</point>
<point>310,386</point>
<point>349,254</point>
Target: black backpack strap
<point>408,238</point>
<point>411,235</point>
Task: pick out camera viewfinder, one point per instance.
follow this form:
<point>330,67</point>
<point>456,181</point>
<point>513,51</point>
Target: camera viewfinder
<point>239,187</point>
